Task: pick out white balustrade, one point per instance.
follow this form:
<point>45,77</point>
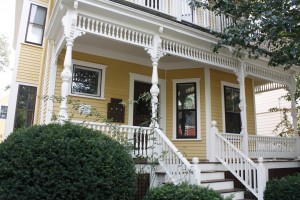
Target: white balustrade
<point>153,144</point>
<point>235,139</point>
<point>272,147</point>
<point>243,168</point>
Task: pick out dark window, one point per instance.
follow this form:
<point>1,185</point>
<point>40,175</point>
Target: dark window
<point>25,106</point>
<point>36,24</point>
<point>186,110</point>
<point>86,81</point>
<point>3,112</point>
<point>232,110</point>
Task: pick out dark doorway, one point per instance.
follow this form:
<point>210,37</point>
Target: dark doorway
<point>142,108</point>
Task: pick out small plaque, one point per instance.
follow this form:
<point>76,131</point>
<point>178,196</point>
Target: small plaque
<point>84,109</point>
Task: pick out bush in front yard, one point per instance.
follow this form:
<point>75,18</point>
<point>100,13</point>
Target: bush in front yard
<point>285,188</point>
<point>182,191</point>
<point>64,162</point>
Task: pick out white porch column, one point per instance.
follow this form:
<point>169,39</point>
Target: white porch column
<point>244,130</point>
<point>155,54</point>
<point>69,22</point>
<point>294,112</point>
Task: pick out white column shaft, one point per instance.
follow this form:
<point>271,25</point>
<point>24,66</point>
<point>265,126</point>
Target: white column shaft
<point>154,93</point>
<point>66,76</point>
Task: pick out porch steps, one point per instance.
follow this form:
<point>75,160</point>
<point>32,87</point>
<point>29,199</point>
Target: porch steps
<point>213,176</point>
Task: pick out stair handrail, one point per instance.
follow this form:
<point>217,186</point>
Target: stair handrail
<point>251,175</point>
<point>177,167</point>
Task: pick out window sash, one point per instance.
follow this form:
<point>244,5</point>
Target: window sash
<point>36,25</point>
<point>232,110</point>
<point>86,87</point>
<point>186,110</point>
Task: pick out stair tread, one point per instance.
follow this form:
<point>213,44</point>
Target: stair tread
<point>212,171</point>
<point>216,180</point>
<point>230,190</point>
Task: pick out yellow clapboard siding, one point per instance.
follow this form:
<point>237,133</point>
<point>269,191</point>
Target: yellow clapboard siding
<point>29,64</point>
<point>216,100</point>
<point>190,148</point>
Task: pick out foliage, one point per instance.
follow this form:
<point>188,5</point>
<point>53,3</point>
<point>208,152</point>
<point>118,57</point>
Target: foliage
<point>4,53</point>
<point>260,28</point>
<point>182,191</point>
<point>284,188</point>
<point>64,162</point>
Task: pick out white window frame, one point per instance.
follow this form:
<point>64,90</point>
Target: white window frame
<point>101,79</point>
<point>233,85</point>
<point>198,111</point>
<point>1,112</point>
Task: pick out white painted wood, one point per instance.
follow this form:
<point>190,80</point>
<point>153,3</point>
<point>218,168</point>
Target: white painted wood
<point>236,195</point>
<point>219,185</point>
<point>212,175</point>
<point>209,154</point>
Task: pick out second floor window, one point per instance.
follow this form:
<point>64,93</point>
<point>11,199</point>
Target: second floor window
<point>36,25</point>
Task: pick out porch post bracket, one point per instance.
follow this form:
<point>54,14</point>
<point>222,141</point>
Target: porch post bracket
<point>241,75</point>
<point>69,22</point>
<point>155,53</point>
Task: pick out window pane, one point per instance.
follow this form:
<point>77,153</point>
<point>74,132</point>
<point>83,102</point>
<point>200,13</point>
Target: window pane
<point>86,81</point>
<point>34,34</point>
<point>232,110</point>
<point>187,123</point>
<point>37,15</point>
<point>186,96</point>
<point>3,112</point>
<point>25,106</point>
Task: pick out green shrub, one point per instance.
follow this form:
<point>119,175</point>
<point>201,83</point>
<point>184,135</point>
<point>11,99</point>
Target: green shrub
<point>285,188</point>
<point>182,192</point>
<point>64,162</point>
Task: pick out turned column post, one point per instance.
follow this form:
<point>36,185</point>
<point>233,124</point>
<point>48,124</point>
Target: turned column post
<point>155,53</point>
<point>242,105</point>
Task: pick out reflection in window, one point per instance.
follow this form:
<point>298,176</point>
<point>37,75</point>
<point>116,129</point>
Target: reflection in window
<point>36,24</point>
<point>25,106</point>
<point>186,110</point>
<point>86,81</point>
<point>3,112</point>
<point>232,110</point>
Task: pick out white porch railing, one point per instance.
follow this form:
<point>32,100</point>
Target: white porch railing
<point>182,11</point>
<point>251,175</point>
<point>272,147</point>
<point>265,146</point>
<point>152,144</point>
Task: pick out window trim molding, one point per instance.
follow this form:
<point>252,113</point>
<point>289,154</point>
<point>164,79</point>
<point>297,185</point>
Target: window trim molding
<point>93,67</point>
<point>233,85</point>
<point>198,110</point>
<point>28,22</point>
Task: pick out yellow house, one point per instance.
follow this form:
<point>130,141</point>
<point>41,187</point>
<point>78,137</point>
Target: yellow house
<point>103,52</point>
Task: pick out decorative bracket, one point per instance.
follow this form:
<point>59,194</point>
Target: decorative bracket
<point>155,51</point>
<point>69,22</point>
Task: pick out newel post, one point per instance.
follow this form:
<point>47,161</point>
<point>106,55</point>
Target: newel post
<point>69,22</point>
<point>196,172</point>
<point>261,179</point>
<point>212,143</point>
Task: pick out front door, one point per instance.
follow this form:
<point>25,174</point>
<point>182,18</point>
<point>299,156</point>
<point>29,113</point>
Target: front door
<point>142,104</point>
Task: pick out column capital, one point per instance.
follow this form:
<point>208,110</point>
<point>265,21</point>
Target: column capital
<point>155,51</point>
<point>69,22</point>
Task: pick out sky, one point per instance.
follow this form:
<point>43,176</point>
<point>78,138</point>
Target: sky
<point>7,19</point>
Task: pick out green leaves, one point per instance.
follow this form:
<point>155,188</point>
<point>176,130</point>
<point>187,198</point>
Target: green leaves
<point>64,162</point>
<point>261,28</point>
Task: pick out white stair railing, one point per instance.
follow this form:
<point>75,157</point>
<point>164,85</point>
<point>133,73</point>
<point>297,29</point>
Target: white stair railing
<point>251,175</point>
<point>153,144</point>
